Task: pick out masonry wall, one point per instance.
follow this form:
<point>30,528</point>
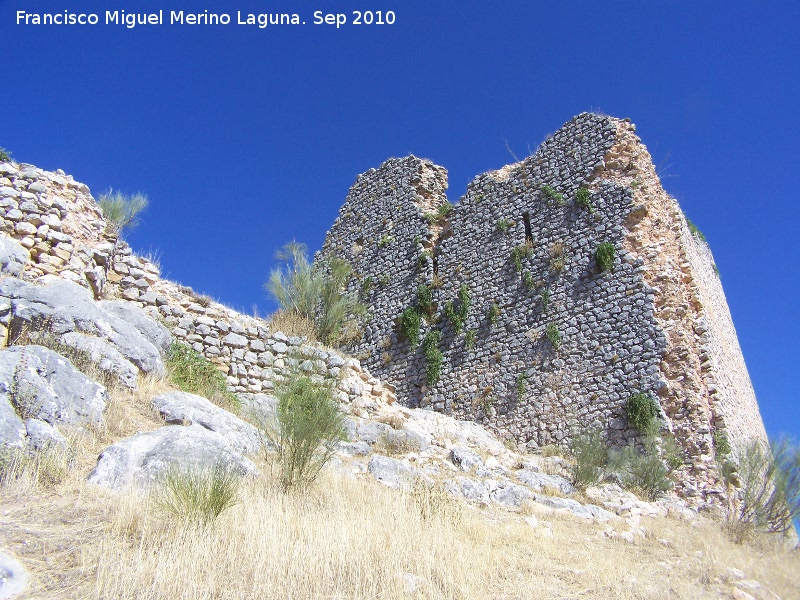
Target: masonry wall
<point>656,323</point>
<point>58,221</point>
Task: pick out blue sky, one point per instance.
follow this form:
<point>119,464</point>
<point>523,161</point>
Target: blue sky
<point>245,138</point>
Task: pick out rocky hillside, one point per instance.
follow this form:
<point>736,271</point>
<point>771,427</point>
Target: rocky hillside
<point>94,422</point>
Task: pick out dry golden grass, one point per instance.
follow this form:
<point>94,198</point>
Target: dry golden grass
<point>292,324</point>
<point>350,538</point>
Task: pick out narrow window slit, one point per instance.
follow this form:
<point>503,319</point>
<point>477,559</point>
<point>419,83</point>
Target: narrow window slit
<point>528,231</point>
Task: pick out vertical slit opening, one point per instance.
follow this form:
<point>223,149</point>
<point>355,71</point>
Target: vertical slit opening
<point>526,218</point>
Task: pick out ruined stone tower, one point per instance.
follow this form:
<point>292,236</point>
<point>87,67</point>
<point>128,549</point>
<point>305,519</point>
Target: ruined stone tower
<point>551,343</point>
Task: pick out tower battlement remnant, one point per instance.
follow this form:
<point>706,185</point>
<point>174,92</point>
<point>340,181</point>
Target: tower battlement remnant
<point>552,339</point>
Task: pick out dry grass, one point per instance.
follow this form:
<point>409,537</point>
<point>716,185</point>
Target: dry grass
<point>349,538</point>
<point>293,324</point>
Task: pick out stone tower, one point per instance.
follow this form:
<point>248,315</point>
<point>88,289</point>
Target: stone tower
<point>551,343</point>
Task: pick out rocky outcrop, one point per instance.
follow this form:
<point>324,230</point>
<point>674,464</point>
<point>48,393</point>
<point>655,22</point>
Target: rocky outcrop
<point>144,459</point>
<point>13,257</point>
<point>182,408</point>
<point>36,385</point>
<point>63,307</point>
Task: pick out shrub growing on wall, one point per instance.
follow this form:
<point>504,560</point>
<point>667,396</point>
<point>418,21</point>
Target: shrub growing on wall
<point>604,256</point>
<point>410,322</point>
<point>314,292</point>
<point>433,355</point>
<point>641,411</point>
<point>194,373</point>
<point>122,211</point>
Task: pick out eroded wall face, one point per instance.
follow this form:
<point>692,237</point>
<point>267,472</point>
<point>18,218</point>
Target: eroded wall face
<point>508,372</point>
<point>524,247</point>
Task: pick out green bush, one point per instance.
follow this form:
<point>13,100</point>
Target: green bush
<point>769,496</point>
<point>122,211</point>
<point>583,198</point>
<point>314,291</point>
<point>545,299</point>
<point>527,280</point>
<point>642,471</point>
<point>695,231</point>
<point>385,241</point>
<point>604,256</point>
<point>199,494</point>
<point>425,299</point>
<point>433,355</point>
<point>444,210</point>
<point>308,426</point>
<point>410,322</point>
<point>518,253</point>
<point>193,373</point>
<point>590,455</point>
<point>457,316</point>
<point>493,314</point>
<point>721,444</point>
<point>553,195</point>
<point>522,385</point>
<point>554,335</point>
<point>641,412</point>
<point>469,339</point>
<point>5,155</point>
<point>503,225</point>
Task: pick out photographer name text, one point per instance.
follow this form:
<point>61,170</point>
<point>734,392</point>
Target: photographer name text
<point>129,20</point>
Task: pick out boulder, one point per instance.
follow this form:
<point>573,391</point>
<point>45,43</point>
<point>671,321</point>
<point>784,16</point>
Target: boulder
<point>43,436</point>
<point>12,428</point>
<point>13,256</point>
<point>510,494</point>
<point>259,408</point>
<point>13,577</point>
<point>107,358</point>
<point>41,384</point>
<point>465,459</point>
<point>143,459</point>
<point>153,331</point>
<point>182,408</point>
<point>539,481</point>
<point>64,307</point>
<point>391,472</point>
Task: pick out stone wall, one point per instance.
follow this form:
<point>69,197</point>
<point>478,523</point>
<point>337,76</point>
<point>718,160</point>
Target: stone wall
<point>58,221</point>
<point>524,247</point>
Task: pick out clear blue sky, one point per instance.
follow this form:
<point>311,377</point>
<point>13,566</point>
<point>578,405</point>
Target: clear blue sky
<point>245,138</point>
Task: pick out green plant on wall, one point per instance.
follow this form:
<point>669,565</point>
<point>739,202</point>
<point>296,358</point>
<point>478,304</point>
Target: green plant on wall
<point>457,316</point>
<point>641,411</point>
<point>5,155</point>
<point>522,385</point>
<point>518,253</point>
<point>528,281</point>
<point>553,195</point>
<point>493,314</point>
<point>444,210</point>
<point>553,335</point>
<point>583,198</point>
<point>410,322</point>
<point>545,299</point>
<point>425,299</point>
<point>433,355</point>
<point>604,256</point>
<point>469,339</point>
<point>423,258</point>
<point>503,225</point>
<point>366,286</point>
<point>695,231</point>
<point>385,241</point>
